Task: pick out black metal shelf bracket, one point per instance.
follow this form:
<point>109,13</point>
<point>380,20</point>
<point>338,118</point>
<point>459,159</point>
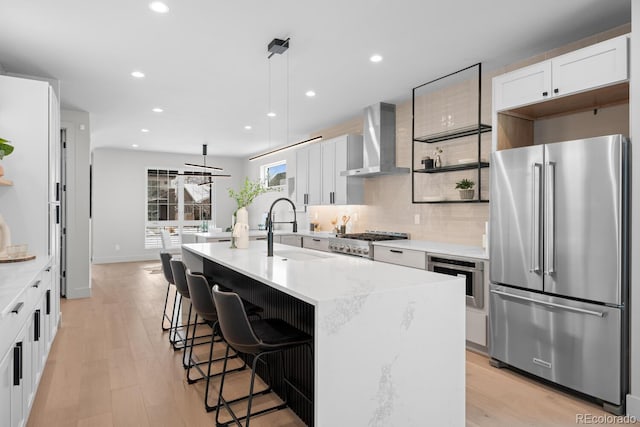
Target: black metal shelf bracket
<point>450,134</point>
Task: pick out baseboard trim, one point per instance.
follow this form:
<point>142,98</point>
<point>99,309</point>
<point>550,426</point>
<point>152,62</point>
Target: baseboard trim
<point>78,293</point>
<point>131,258</point>
<point>633,406</point>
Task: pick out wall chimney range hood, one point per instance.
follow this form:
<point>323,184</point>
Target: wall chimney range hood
<point>379,135</point>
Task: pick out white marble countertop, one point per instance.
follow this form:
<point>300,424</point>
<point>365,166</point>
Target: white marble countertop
<point>437,248</point>
<point>15,277</point>
<point>384,315</point>
<point>314,276</point>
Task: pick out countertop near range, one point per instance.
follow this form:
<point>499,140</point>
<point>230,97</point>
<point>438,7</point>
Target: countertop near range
<point>14,279</point>
<point>437,248</point>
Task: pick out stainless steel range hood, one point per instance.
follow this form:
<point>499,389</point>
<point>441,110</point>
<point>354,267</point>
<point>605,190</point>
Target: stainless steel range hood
<point>379,143</point>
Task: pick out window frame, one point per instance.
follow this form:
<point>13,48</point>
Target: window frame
<point>179,225</point>
<point>264,174</point>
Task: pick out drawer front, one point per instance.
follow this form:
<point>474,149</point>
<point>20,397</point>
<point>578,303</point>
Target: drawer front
<point>315,243</point>
<point>406,257</point>
<point>291,241</point>
<point>577,345</point>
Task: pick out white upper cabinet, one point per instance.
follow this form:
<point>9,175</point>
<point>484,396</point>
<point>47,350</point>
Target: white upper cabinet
<point>328,149</point>
<point>598,65</point>
<point>340,154</point>
<point>601,64</point>
<point>302,173</point>
<point>315,179</point>
<point>308,179</point>
<point>523,86</point>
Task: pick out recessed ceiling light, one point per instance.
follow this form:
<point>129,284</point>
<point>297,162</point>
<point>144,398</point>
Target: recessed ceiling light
<point>159,7</point>
<point>310,93</point>
<point>137,74</point>
<point>135,145</point>
<point>375,58</point>
<point>144,130</point>
<point>271,114</point>
<point>157,110</point>
<point>247,127</point>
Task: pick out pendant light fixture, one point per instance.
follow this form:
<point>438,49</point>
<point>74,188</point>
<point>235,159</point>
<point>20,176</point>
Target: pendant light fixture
<point>279,46</point>
<point>204,166</point>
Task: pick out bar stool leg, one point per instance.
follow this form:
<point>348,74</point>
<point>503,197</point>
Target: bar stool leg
<point>164,312</point>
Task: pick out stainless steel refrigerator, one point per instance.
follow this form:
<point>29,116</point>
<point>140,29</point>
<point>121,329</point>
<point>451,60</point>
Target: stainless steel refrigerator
<point>558,252</point>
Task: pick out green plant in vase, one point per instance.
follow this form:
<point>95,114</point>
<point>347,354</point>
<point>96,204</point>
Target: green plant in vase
<point>245,196</point>
<point>5,150</point>
<point>466,188</point>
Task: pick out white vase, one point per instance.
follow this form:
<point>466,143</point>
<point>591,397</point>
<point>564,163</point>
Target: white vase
<point>241,229</point>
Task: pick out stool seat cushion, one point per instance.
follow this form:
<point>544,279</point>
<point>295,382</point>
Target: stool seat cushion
<point>276,333</point>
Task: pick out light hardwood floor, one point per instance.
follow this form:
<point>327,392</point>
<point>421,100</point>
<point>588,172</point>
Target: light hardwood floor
<point>111,365</point>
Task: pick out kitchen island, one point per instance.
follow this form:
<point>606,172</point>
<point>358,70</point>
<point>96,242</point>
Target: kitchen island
<point>389,342</point>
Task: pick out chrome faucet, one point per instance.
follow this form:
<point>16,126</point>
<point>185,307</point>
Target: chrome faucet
<point>270,223</point>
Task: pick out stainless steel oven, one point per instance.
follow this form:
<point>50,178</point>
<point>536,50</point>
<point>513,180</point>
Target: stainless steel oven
<point>471,270</point>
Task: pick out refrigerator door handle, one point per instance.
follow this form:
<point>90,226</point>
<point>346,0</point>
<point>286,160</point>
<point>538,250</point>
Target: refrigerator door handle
<point>536,238</point>
<point>550,219</point>
<point>550,304</point>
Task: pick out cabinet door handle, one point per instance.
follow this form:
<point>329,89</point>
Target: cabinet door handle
<point>545,93</point>
<point>556,90</point>
<point>17,308</point>
<point>36,284</point>
<point>395,251</point>
<point>48,301</point>
<point>17,355</point>
<point>57,191</point>
<point>316,240</point>
<point>36,323</point>
<point>57,214</point>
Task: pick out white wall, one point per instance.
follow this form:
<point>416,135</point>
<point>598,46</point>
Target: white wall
<point>119,197</point>
<point>633,399</point>
<point>77,163</point>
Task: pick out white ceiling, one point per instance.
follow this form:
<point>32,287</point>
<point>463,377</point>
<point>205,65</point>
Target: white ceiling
<point>206,61</point>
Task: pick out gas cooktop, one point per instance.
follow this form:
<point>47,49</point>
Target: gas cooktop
<point>360,244</point>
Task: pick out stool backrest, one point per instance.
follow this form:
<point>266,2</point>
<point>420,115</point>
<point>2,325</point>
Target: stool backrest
<point>166,239</point>
<point>165,257</point>
<point>201,298</point>
<point>180,277</point>
<point>234,323</point>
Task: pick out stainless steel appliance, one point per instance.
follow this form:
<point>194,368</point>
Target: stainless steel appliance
<point>379,143</point>
<point>361,244</point>
<point>471,270</point>
<point>558,293</point>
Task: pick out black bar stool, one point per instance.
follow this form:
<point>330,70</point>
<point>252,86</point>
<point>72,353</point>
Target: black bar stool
<point>165,257</point>
<point>180,281</point>
<point>202,301</point>
<point>257,338</point>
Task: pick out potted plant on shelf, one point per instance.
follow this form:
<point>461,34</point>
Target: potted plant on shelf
<point>5,150</point>
<point>466,188</point>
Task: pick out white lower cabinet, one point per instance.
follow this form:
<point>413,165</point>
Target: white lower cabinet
<point>291,240</point>
<point>27,331</point>
<point>406,257</point>
<point>315,243</point>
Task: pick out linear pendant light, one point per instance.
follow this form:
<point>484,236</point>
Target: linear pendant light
<point>288,147</point>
